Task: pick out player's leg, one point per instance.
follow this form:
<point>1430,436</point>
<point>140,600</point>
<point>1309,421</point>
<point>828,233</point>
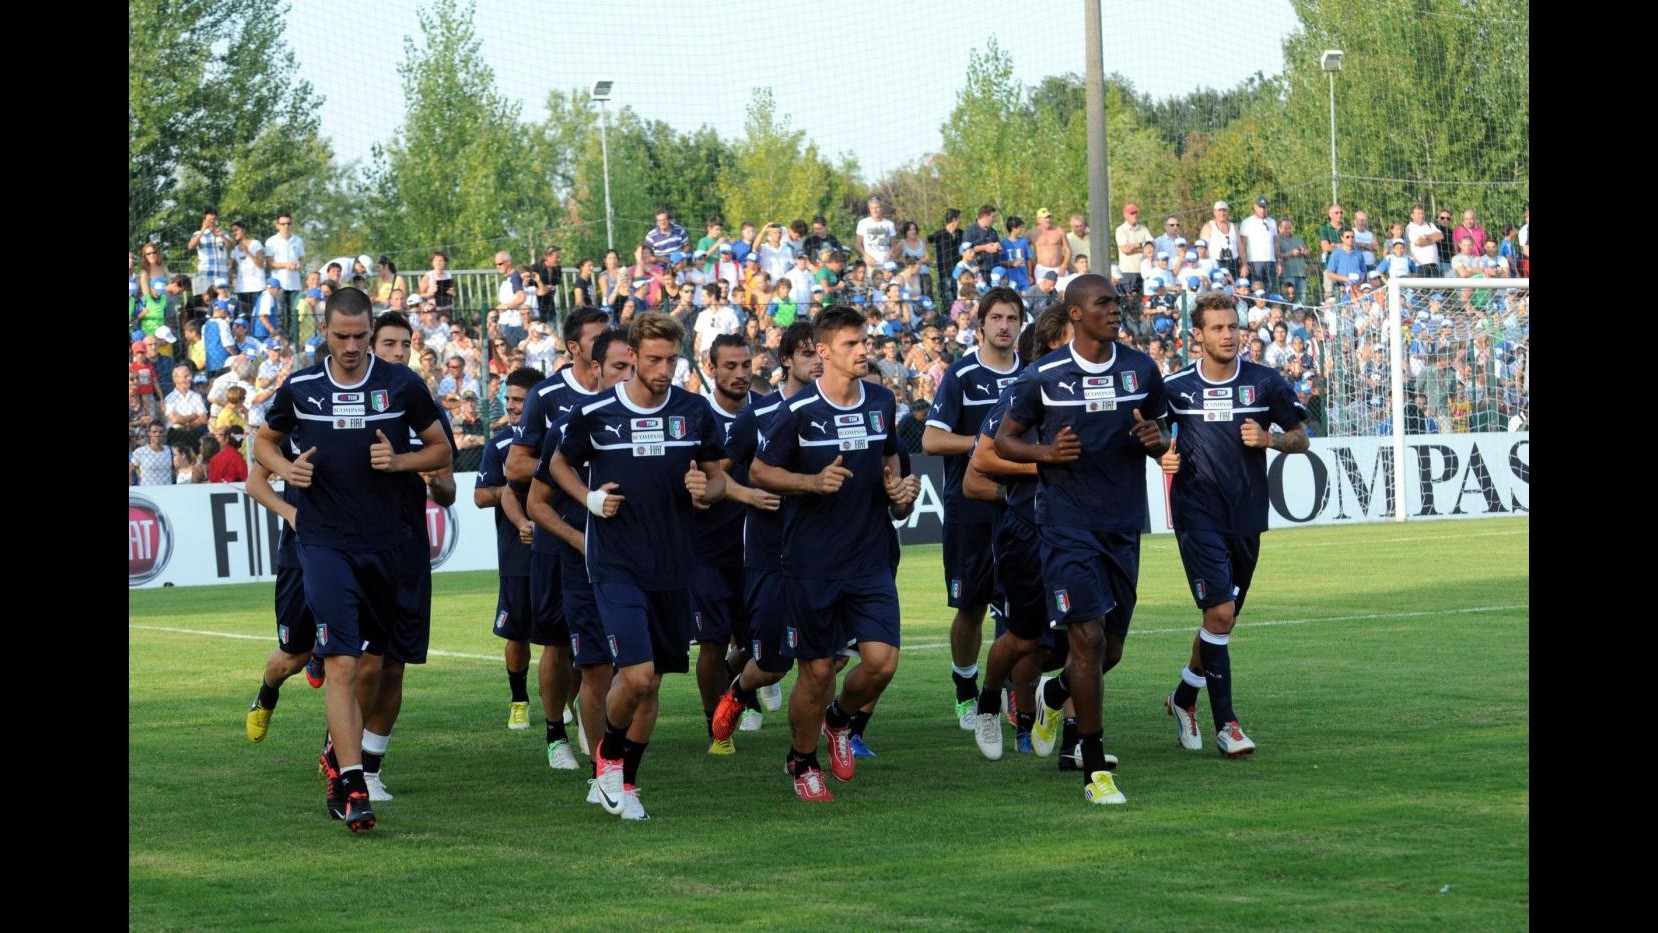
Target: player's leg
<point>765,604</point>
<point>517,656</point>
<point>296,633</point>
<point>871,614</point>
<point>341,590</point>
<point>1214,647</point>
<point>513,624</point>
<point>548,626</point>
<point>588,652</point>
<point>814,678</point>
<point>969,578</point>
<point>1206,560</point>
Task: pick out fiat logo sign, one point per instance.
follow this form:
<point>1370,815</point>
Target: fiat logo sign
<point>149,541</point>
<point>443,532</point>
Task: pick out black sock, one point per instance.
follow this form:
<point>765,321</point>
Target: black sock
<point>353,783</point>
<point>1067,735</point>
<point>1025,720</point>
<point>1056,692</point>
<point>1217,670</point>
<point>1185,693</point>
<point>610,747</point>
<point>268,695</point>
<point>1093,754</point>
<point>990,701</point>
<point>708,714</point>
<point>372,762</point>
<point>520,690</point>
<point>799,764</point>
<point>632,753</point>
<point>753,701</point>
<point>967,685</point>
<point>835,716</point>
<point>555,731</point>
<point>860,719</point>
<point>745,697</point>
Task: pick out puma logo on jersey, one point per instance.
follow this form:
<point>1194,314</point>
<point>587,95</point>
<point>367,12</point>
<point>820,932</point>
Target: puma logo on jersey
<point>821,426</point>
<point>982,387</point>
<point>314,401</point>
<point>614,429</point>
<point>1069,386</point>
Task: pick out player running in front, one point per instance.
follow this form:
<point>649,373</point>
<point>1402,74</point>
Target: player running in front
<point>653,452</point>
<point>1095,406</point>
<point>833,452</point>
<point>1222,409</point>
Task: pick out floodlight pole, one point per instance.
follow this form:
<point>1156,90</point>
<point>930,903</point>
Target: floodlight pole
<point>1099,179</point>
<point>604,147</point>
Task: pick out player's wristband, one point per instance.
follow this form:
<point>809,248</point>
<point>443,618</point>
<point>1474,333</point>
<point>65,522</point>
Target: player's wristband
<point>595,502</point>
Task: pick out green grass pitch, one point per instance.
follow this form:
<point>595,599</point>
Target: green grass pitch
<point>1383,669</point>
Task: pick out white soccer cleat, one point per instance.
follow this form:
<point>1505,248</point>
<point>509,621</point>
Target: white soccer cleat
<point>750,722</point>
<point>1045,731</point>
<point>569,715</point>
<point>967,714</point>
<point>559,756</point>
<point>1102,789</point>
<point>376,788</point>
<point>593,791</point>
<point>987,734</point>
<point>771,697</point>
<point>1185,718</point>
<point>1232,742</point>
<point>632,809</point>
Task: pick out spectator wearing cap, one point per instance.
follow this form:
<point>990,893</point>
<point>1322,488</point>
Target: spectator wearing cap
<point>1222,235</point>
<point>1397,263</point>
<point>272,373</point>
<point>980,243</point>
<point>1162,306</point>
<point>1292,255</point>
<point>241,341</point>
<point>267,310</point>
<point>1343,262</point>
<point>285,253</point>
<point>229,465</point>
<point>876,233</point>
<point>1044,293</point>
<point>725,268</point>
<point>248,257</point>
<point>799,276</point>
<point>1257,236</point>
<point>946,243</point>
<point>1049,248</point>
<point>1131,238</point>
<point>471,433</point>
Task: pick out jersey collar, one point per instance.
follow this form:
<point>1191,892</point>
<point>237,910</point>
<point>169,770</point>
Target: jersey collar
<point>621,394</point>
<point>1237,370</point>
<point>818,386</point>
<point>327,367</point>
<point>1088,367</point>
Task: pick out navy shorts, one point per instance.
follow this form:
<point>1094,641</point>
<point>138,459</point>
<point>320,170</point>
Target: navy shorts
<point>646,626</point>
<point>512,609</point>
<point>824,615</point>
<point>581,611</point>
<point>353,597</point>
<point>766,597</point>
<point>547,623</point>
<point>1024,610</point>
<point>296,630</point>
<point>969,572</point>
<point>411,630</point>
<point>1219,566</point>
<point>1088,574</point>
<point>718,611</point>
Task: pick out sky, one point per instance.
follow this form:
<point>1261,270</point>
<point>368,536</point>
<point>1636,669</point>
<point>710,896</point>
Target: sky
<point>875,82</point>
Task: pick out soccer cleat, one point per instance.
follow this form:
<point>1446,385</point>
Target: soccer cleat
<point>859,749</point>
<point>1102,789</point>
<point>376,788</point>
<point>359,814</point>
<point>1185,718</point>
<point>1232,742</point>
<point>1048,720</point>
<point>609,784</point>
<point>1070,759</point>
<point>592,791</point>
<point>334,790</point>
<point>842,764</point>
<point>750,722</point>
<point>559,756</point>
<point>1010,707</point>
<point>967,713</point>
<point>987,734</point>
<point>581,736</point>
<point>726,714</point>
<point>810,787</point>
<point>771,697</point>
<point>721,747</point>
<point>569,716</point>
<point>632,809</point>
<point>1021,743</point>
<point>259,722</point>
<point>519,718</point>
<point>315,673</point>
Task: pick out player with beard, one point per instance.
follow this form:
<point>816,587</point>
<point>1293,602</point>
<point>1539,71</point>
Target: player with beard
<point>763,595</point>
<point>1219,501</point>
<point>355,415</point>
<point>653,455</point>
<point>717,608</point>
<point>1095,406</point>
<point>969,388</point>
<point>833,450</point>
<point>563,523</point>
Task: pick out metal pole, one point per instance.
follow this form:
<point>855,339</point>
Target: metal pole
<point>1099,182</point>
<point>1333,198</point>
<point>604,147</point>
<point>1396,384</point>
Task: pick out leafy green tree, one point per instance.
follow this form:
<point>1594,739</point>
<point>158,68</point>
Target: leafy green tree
<point>776,173</point>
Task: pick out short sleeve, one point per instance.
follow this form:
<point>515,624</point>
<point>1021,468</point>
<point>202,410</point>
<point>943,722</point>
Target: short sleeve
<point>778,445</point>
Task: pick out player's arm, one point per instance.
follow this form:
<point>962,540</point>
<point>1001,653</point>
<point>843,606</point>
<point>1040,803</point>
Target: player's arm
<point>267,450</point>
<point>259,489</point>
<point>979,487</point>
<point>433,455</point>
<point>514,511</point>
<point>442,486</point>
<point>705,481</point>
<point>1293,441</point>
<point>1011,445</point>
<point>486,497</point>
<point>938,441</point>
<point>786,482</point>
<point>539,507</point>
<point>901,490</point>
<point>1151,434</point>
<point>747,495</point>
<point>987,462</point>
<point>520,464</point>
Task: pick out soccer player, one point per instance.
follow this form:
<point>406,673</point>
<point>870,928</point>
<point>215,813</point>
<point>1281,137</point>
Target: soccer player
<point>969,387</point>
<point>1095,407</point>
<point>1017,554</point>
<point>351,416</point>
<point>553,396</point>
<point>653,452</point>
<point>717,611</point>
<point>513,532</point>
<point>380,674</point>
<point>833,451</point>
<point>561,524</point>
<point>296,630</point>
<point>763,595</point>
<point>1222,409</point>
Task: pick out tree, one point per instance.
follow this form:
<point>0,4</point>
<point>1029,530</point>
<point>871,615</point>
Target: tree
<point>775,173</point>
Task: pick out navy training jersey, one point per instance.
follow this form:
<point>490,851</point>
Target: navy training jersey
<point>1222,485</point>
<point>720,527</point>
<point>967,391</point>
<point>832,537</point>
<point>647,453</point>
<point>574,513</point>
<point>512,554</point>
<point>556,395</point>
<point>1018,492</point>
<point>417,551</point>
<point>349,504</point>
<point>287,543</point>
<point>1105,488</point>
<point>762,530</point>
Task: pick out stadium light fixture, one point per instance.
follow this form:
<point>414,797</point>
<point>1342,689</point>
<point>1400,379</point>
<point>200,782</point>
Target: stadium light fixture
<point>1330,61</point>
<point>601,89</point>
<point>601,93</point>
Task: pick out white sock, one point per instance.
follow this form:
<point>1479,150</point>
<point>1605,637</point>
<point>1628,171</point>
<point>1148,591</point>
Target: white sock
<point>374,742</point>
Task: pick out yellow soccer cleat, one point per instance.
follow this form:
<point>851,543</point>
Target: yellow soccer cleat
<point>722,747</point>
<point>519,718</point>
<point>259,722</point>
<point>1102,789</point>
